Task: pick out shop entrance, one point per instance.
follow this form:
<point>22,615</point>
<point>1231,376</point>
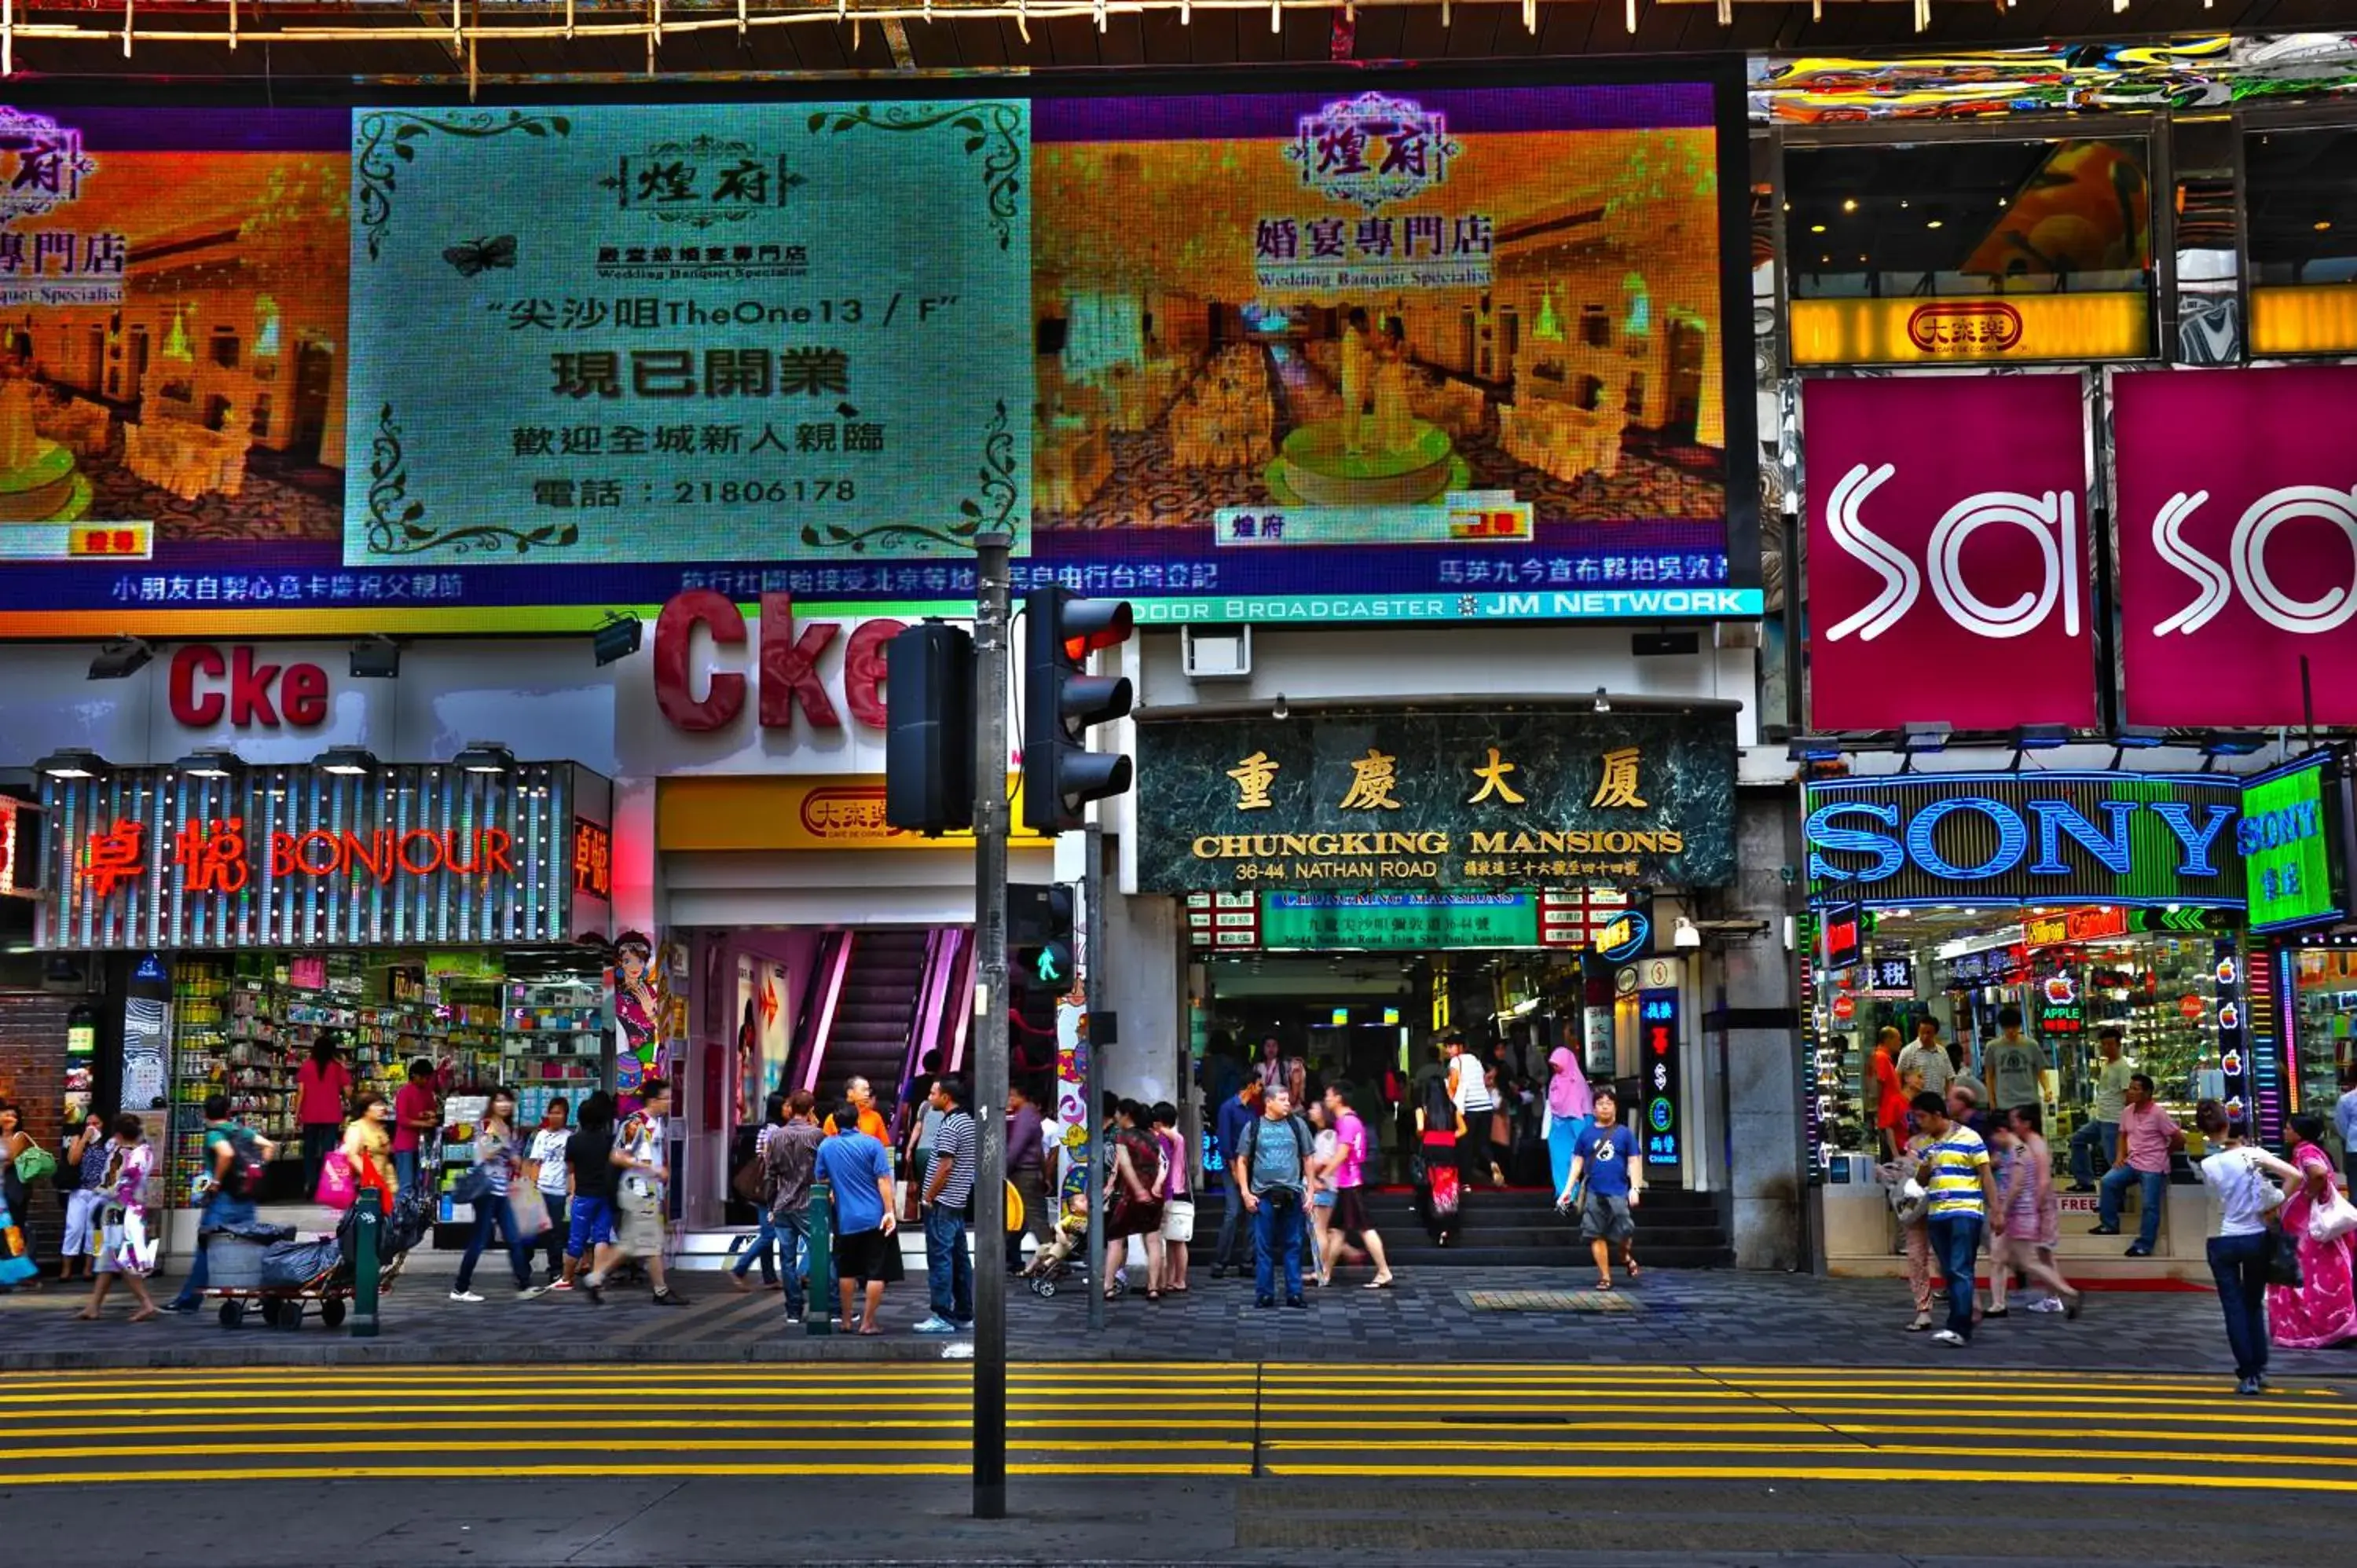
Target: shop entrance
<point>1377,1020</point>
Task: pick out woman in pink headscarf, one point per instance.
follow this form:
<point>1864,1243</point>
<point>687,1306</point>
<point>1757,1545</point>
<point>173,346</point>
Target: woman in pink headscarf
<point>1568,1103</point>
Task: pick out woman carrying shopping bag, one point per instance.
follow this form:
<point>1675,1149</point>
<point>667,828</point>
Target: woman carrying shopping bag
<point>126,1248</point>
<point>2319,1311</point>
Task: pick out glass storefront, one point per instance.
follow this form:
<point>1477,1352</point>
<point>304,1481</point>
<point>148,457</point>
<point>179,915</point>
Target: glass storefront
<point>2165,979</point>
<point>2318,976</point>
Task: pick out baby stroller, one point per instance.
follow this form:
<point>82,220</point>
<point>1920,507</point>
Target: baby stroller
<point>1054,1263</point>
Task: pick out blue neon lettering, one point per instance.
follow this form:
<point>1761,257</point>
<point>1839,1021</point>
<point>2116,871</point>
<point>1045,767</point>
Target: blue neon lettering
<point>1822,835</point>
<point>2285,824</point>
<point>2012,838</point>
<point>2197,841</point>
<point>2056,817</point>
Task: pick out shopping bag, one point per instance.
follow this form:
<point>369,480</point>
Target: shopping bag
<point>529,1209</point>
<point>337,1188</point>
<point>34,1164</point>
<point>137,1255</point>
<point>2332,1219</point>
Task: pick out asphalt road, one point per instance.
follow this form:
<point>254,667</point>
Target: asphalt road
<point>1141,1463</point>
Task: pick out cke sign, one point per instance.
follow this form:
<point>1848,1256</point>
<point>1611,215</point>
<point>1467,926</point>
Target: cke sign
<point>2025,838</point>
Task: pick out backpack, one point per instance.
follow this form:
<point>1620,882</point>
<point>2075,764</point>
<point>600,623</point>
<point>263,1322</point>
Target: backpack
<point>242,1179</point>
<point>1250,1147</point>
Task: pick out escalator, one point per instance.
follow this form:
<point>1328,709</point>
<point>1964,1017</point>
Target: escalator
<point>876,995</point>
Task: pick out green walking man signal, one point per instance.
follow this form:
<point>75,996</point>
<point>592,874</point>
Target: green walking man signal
<point>1039,929</point>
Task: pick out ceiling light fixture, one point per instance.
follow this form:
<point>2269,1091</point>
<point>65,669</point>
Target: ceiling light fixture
<point>121,658</point>
<point>346,761</point>
<point>71,762</point>
<point>485,756</point>
<point>210,762</point>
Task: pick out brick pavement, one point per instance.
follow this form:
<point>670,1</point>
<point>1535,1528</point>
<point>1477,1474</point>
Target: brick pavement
<point>1703,1318</point>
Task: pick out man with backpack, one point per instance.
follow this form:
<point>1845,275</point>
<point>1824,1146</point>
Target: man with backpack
<point>1273,1173</point>
<point>234,1156</point>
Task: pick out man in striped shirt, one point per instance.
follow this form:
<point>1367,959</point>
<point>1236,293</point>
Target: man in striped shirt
<point>1963,1192</point>
<point>949,1203</point>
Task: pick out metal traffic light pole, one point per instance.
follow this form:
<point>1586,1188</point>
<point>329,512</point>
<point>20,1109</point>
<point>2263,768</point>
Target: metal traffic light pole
<point>990,1001</point>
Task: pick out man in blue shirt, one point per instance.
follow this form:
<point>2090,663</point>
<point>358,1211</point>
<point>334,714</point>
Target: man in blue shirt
<point>1607,1158</point>
<point>1237,1112</point>
<point>859,1168</point>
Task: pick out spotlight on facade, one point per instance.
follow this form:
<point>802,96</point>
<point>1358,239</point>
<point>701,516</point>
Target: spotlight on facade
<point>71,762</point>
<point>2040,738</point>
<point>1927,737</point>
<point>617,639</point>
<point>485,756</point>
<point>1603,700</point>
<point>1814,748</point>
<point>375,658</point>
<point>1686,934</point>
<point>2233,742</point>
<point>2139,737</point>
<point>120,658</point>
<point>346,761</point>
<point>210,762</point>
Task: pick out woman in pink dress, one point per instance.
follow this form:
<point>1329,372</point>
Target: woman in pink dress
<point>2320,1310</point>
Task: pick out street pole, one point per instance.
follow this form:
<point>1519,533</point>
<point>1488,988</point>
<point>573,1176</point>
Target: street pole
<point>1092,1076</point>
<point>990,830</point>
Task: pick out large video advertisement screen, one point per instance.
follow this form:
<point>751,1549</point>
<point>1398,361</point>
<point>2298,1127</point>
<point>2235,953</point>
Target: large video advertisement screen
<point>1376,351</point>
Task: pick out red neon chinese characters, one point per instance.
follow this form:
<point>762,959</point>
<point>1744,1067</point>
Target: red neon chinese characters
<point>214,853</point>
<point>114,856</point>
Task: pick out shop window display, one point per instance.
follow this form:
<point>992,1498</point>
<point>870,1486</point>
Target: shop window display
<point>243,1023</point>
<point>2324,1020</point>
<point>1963,969</point>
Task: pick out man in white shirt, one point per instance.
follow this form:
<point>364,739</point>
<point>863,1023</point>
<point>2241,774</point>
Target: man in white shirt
<point>1927,1059</point>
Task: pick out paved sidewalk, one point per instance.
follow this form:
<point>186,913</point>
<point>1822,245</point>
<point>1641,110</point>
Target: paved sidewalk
<point>1724,1318</point>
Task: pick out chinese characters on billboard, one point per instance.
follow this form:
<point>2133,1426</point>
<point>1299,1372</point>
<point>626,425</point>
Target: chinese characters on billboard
<point>1351,354</point>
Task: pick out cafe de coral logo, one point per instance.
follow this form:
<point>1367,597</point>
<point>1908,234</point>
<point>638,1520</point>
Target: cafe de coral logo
<point>46,165</point>
<point>1372,149</point>
<point>1965,327</point>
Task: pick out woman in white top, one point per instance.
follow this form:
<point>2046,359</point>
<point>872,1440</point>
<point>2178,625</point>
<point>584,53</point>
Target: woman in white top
<point>2238,1176</point>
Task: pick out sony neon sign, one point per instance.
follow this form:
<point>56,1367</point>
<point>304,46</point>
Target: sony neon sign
<point>2108,838</point>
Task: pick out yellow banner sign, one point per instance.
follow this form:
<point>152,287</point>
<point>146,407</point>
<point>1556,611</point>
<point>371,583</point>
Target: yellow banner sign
<point>2305,319</point>
<point>1974,329</point>
<point>809,811</point>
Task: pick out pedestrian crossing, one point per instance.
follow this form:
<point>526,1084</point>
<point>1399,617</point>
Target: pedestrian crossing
<point>1114,1419</point>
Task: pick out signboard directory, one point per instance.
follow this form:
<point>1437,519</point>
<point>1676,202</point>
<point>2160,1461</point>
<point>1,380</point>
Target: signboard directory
<point>1253,355</point>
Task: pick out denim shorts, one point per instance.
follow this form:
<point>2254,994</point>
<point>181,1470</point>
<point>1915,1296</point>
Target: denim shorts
<point>589,1223</point>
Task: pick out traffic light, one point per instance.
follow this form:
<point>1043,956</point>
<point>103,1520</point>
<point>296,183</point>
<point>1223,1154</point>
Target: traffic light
<point>1061,775</point>
<point>1039,929</point>
<point>929,729</point>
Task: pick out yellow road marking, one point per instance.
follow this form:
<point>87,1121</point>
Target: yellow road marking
<point>2264,1482</point>
<point>608,1472</point>
<point>679,1446</point>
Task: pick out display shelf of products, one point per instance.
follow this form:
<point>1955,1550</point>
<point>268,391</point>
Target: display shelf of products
<point>554,1043</point>
<point>2324,1024</point>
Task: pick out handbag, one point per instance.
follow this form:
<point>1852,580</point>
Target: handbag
<point>2283,1261</point>
<point>2331,1219</point>
<point>35,1163</point>
<point>474,1186</point>
<point>337,1188</point>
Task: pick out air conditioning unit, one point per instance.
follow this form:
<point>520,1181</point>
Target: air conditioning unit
<point>1216,653</point>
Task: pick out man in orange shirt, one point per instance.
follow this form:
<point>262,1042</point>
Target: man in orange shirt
<point>860,1092</point>
<point>1889,1099</point>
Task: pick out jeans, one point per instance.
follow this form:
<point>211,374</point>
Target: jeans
<point>1232,1222</point>
<point>1276,1229</point>
<point>404,1168</point>
<point>2090,1146</point>
<point>762,1249</point>
<point>319,1141</point>
<point>2239,1265</point>
<point>222,1212</point>
<point>560,1229</point>
<point>1956,1241</point>
<point>2155,1194</point>
<point>949,1266</point>
<point>494,1215</point>
<point>794,1259</point>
